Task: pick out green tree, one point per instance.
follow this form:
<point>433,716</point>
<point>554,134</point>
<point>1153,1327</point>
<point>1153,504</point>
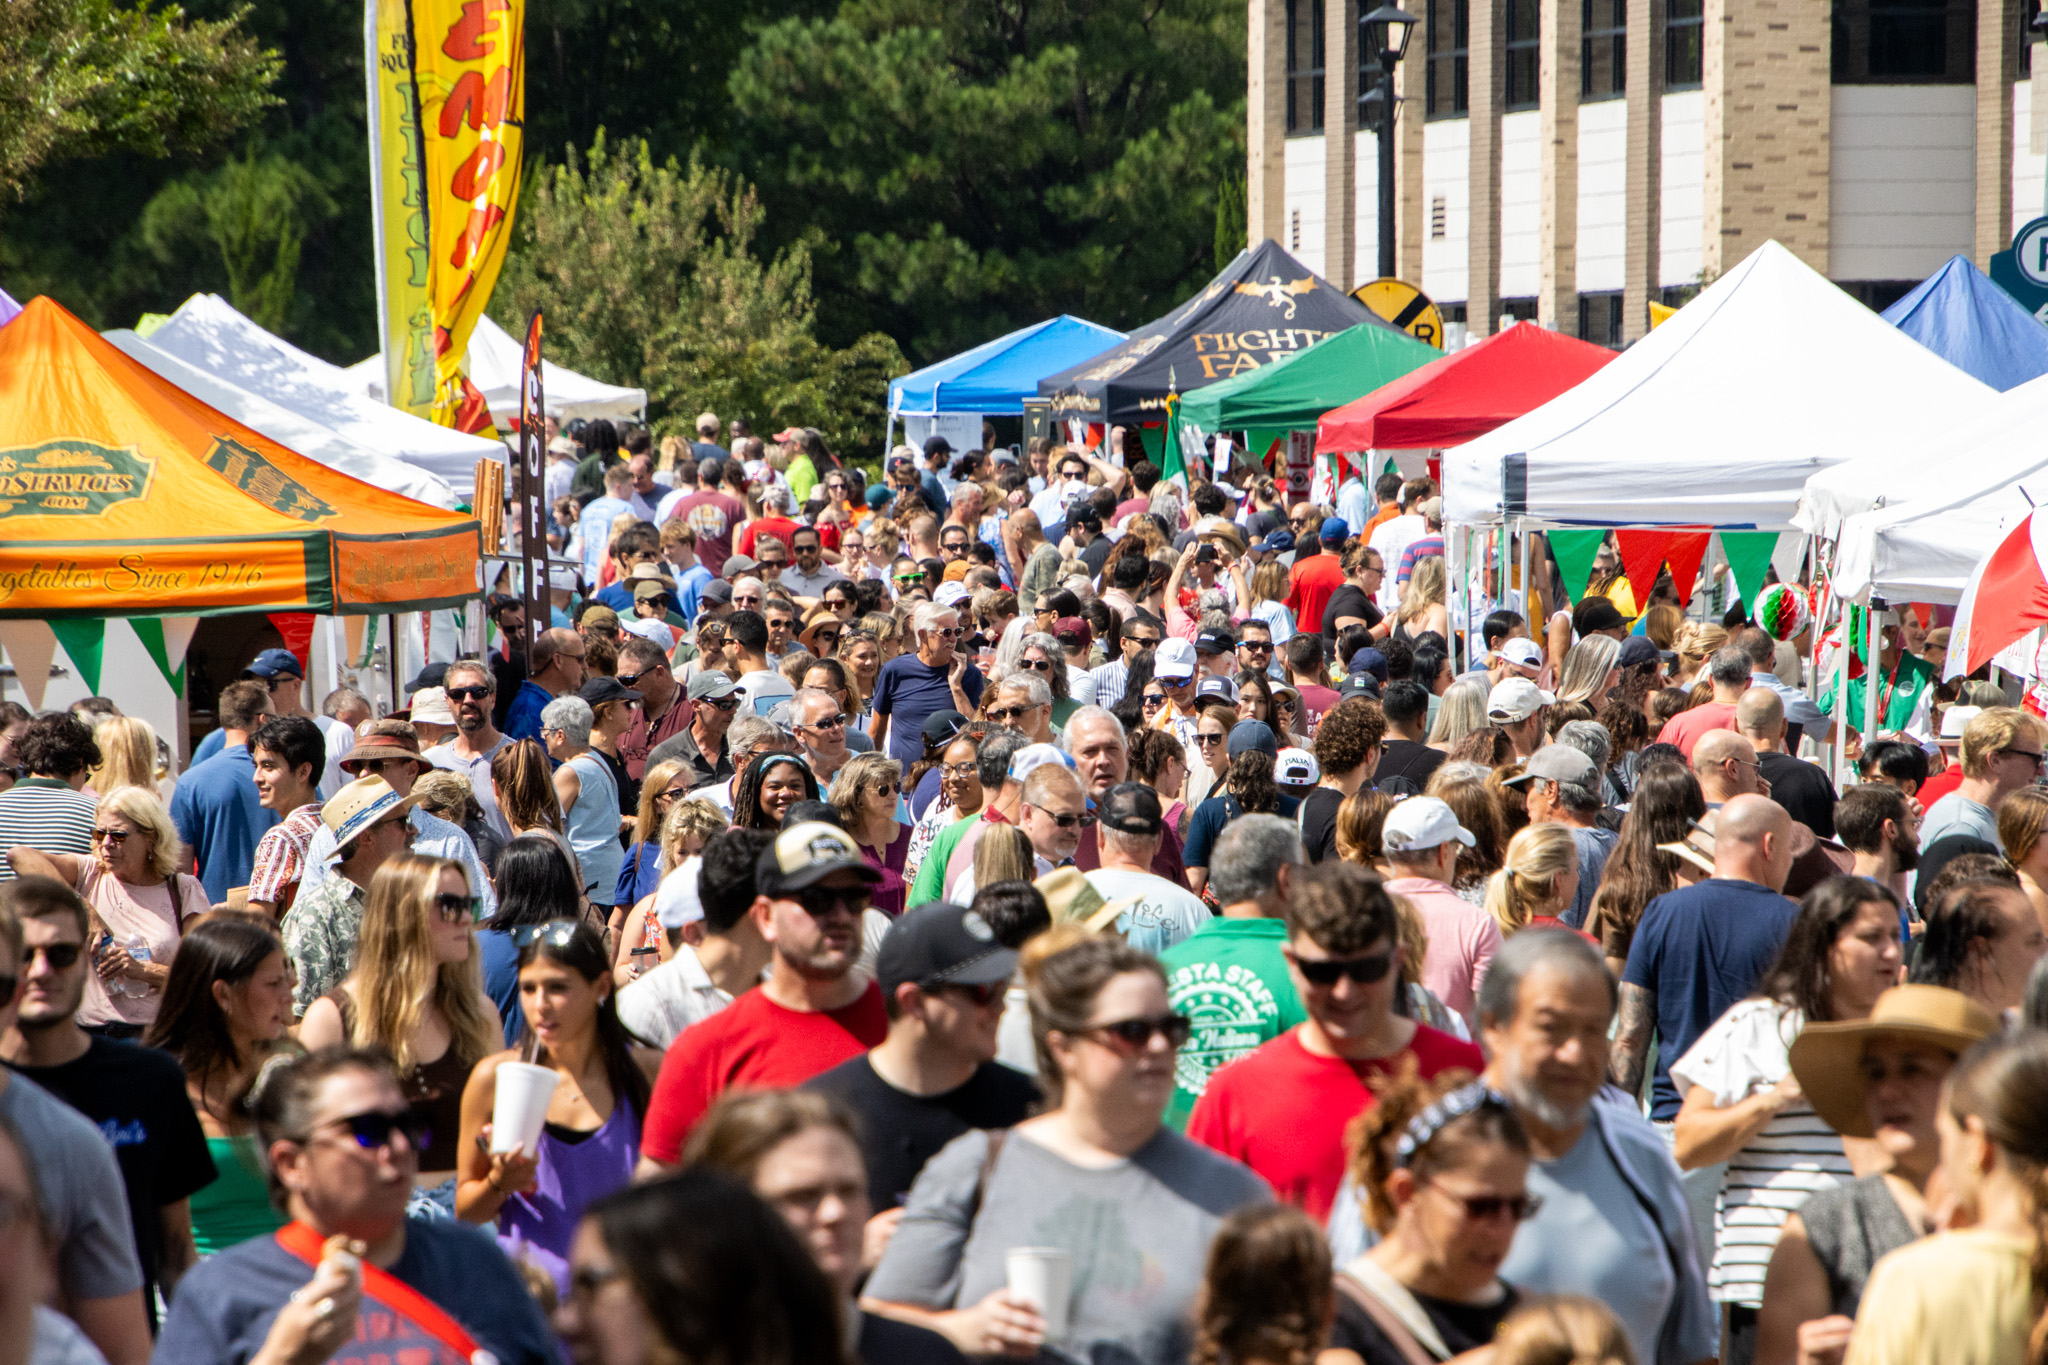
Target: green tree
<point>654,269</point>
<point>973,165</point>
<point>1231,222</point>
<point>254,214</point>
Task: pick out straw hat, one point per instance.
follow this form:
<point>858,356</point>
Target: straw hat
<point>1069,894</point>
<point>1827,1058</point>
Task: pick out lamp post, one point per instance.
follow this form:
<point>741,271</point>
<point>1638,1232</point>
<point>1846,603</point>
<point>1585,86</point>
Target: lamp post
<point>1385,33</point>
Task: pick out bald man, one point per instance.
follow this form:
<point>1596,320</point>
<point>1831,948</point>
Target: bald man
<point>1800,787</point>
<point>1726,765</point>
<point>554,667</point>
<point>1703,947</point>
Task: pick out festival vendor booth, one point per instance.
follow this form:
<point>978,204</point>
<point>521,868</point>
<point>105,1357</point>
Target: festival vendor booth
<point>1714,422</point>
<point>123,497</point>
<point>1961,316</point>
<point>951,398</point>
<point>1264,306</point>
<point>209,335</point>
<point>492,364</point>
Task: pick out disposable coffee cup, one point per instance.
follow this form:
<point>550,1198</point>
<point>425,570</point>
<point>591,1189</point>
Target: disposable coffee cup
<point>1044,1278</point>
<point>521,1106</point>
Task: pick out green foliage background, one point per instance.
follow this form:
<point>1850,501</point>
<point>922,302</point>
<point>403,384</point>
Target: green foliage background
<point>754,205</point>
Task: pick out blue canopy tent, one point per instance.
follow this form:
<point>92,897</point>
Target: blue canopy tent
<point>1961,316</point>
<point>997,376</point>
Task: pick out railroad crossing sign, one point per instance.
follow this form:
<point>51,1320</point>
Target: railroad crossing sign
<point>1407,307</point>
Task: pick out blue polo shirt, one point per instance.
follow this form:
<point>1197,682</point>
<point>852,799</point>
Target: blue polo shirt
<point>522,718</point>
<point>221,819</point>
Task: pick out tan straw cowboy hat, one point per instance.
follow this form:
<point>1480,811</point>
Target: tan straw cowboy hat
<point>1828,1058</point>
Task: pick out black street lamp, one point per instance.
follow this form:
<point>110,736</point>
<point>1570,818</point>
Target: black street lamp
<point>1384,34</point>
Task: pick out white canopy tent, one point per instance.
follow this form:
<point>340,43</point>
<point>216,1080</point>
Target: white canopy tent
<point>210,336</point>
<point>1718,417</point>
<point>1924,550</point>
<point>493,365</point>
<point>288,428</point>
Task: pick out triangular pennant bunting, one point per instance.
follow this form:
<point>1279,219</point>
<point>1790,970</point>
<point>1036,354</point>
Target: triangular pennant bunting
<point>1259,442</point>
<point>297,629</point>
<point>85,641</point>
<point>1749,558</point>
<point>1642,555</point>
<point>30,647</point>
<point>1153,439</point>
<point>1575,551</point>
<point>150,630</point>
<point>1684,552</point>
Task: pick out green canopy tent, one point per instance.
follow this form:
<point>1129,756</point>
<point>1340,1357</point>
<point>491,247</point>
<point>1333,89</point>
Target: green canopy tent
<point>1292,393</point>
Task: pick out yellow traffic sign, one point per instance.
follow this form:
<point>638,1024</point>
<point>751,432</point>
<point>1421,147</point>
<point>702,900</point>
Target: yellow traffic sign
<point>1407,307</point>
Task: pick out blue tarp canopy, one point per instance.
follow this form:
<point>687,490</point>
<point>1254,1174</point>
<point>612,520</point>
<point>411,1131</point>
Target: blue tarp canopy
<point>997,376</point>
<point>1961,316</point>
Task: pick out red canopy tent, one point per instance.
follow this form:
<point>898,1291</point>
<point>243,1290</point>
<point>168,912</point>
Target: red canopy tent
<point>1464,395</point>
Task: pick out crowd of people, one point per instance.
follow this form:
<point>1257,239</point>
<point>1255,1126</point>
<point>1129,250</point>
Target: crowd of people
<point>1026,907</point>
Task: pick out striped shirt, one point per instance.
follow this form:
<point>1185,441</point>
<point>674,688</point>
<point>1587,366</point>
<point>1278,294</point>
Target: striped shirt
<point>46,815</point>
<point>1744,1052</point>
<point>281,858</point>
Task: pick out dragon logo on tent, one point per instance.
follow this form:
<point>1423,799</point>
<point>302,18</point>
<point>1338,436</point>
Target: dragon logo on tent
<point>1278,295</point>
<point>70,479</point>
<point>260,479</point>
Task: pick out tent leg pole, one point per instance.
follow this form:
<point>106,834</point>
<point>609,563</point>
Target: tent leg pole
<point>1842,703</point>
<point>391,652</point>
<point>1873,717</point>
<point>1522,578</point>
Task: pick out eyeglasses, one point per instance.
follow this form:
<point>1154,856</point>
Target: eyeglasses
<point>556,933</point>
<point>1132,1036</point>
<point>375,1128</point>
<point>1484,1207</point>
<point>2030,755</point>
<point>60,956</point>
<point>1327,971</point>
<point>722,703</point>
<point>116,837</point>
<point>967,769</point>
<point>1205,740</point>
<point>1152,701</point>
<point>474,693</point>
<point>1065,821</point>
<point>984,993</point>
<point>1003,715</point>
<point>945,632</point>
<point>837,722</point>
<point>457,909</point>
<point>749,600</point>
<point>1256,646</point>
<point>820,901</point>
<point>1036,665</point>
<point>378,765</point>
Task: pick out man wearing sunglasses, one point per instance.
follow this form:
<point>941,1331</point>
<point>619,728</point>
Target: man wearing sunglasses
<point>712,701</point>
<point>821,727</point>
<point>342,1145</point>
<point>472,692</point>
<point>808,578</point>
<point>136,1095</point>
<point>643,668</point>
<point>943,976</point>
<point>1023,702</point>
<point>1283,1110</point>
<point>937,677</point>
<point>815,1010</point>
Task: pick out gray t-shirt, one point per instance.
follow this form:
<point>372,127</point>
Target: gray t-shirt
<point>1616,1255</point>
<point>1138,1233</point>
<point>82,1194</point>
<point>1957,814</point>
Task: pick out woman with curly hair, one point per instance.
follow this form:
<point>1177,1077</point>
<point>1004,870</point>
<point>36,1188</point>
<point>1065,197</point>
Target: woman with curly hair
<point>1267,1297</point>
<point>1667,801</point>
<point>864,793</point>
<point>767,787</point>
<point>1160,761</point>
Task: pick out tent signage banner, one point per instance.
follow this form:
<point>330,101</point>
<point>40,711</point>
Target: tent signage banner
<point>440,572</point>
<point>70,478</point>
<point>41,579</point>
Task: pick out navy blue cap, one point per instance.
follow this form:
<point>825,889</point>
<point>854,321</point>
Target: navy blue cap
<point>1336,529</point>
<point>1276,543</point>
<point>1248,735</point>
<point>1370,660</point>
<point>275,663</point>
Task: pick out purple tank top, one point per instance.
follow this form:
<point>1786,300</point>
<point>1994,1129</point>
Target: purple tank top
<point>571,1176</point>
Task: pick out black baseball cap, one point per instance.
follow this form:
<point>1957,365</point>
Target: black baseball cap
<point>433,675</point>
<point>942,944</point>
<point>941,726</point>
<point>1215,640</point>
<point>1131,807</point>
<point>1596,613</point>
<point>933,445</point>
<point>808,852</point>
<point>603,688</point>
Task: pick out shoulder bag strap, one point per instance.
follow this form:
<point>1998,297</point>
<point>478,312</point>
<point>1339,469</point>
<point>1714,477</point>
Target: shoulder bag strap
<point>1394,1311</point>
<point>996,1138</point>
<point>387,1289</point>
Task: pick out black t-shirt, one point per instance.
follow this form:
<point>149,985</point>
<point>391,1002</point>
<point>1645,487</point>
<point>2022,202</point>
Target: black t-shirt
<point>1261,524</point>
<point>1463,1326</point>
<point>904,1131</point>
<point>1803,790</point>
<point>1095,554</point>
<point>506,674</point>
<point>1406,758</point>
<point>885,1341</point>
<point>1349,600</point>
<point>629,786</point>
<point>1319,823</point>
<point>137,1097</point>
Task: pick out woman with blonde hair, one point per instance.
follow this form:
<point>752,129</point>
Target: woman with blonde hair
<point>416,991</point>
<point>887,632</point>
<point>864,792</point>
<point>860,654</point>
<point>127,755</point>
<point>1537,882</point>
<point>1661,623</point>
<point>140,902</point>
<point>1422,601</point>
<point>1003,854</point>
<point>686,827</point>
<point>1460,711</point>
<point>881,542</point>
<point>1591,669</point>
<point>1264,597</point>
<point>1696,643</point>
<point>2022,817</point>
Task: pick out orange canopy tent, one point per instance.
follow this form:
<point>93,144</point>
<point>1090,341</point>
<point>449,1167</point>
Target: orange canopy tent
<point>123,495</point>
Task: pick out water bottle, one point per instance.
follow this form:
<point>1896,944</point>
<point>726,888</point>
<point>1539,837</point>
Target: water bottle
<point>138,948</point>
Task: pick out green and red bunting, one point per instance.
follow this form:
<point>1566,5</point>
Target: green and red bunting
<point>150,630</point>
<point>85,640</point>
<point>1684,553</point>
<point>1749,560</point>
<point>1575,551</point>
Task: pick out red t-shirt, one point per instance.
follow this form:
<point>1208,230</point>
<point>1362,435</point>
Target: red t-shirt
<point>1685,728</point>
<point>1317,699</point>
<point>782,528</point>
<point>1283,1110</point>
<point>1309,586</point>
<point>752,1044</point>
<point>1940,785</point>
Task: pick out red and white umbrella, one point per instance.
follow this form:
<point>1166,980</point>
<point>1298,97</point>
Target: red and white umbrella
<point>2007,596</point>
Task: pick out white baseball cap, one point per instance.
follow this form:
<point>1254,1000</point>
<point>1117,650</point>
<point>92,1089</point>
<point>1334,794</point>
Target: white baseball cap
<point>1032,757</point>
<point>1296,768</point>
<point>657,632</point>
<point>1422,822</point>
<point>1174,658</point>
<point>1523,653</point>
<point>1514,700</point>
<point>677,901</point>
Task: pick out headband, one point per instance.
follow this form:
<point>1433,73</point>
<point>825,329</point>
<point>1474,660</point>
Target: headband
<point>1424,1127</point>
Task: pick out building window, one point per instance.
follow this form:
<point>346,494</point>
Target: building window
<point>1603,49</point>
<point>1438,213</point>
<point>1905,42</point>
<point>1684,44</point>
<point>1304,67</point>
<point>2028,9</point>
<point>1521,310</point>
<point>1524,38</point>
<point>1294,230</point>
<point>1600,319</point>
<point>1449,39</point>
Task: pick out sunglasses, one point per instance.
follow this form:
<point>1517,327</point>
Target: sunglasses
<point>667,795</point>
<point>116,837</point>
<point>1132,1036</point>
<point>1205,740</point>
<point>376,1128</point>
<point>60,956</point>
<point>837,722</point>
<point>722,704</point>
<point>458,909</point>
<point>820,901</point>
<point>828,639</point>
<point>477,693</point>
<point>1256,646</point>
<point>1067,821</point>
<point>633,680</point>
<point>1037,665</point>
<point>1363,970</point>
<point>910,578</point>
<point>945,632</point>
<point>1154,700</point>
<point>1003,715</point>
<point>1520,1207</point>
<point>748,600</point>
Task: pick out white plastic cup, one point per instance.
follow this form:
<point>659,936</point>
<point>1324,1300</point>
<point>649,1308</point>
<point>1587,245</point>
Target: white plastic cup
<point>1044,1278</point>
<point>520,1108</point>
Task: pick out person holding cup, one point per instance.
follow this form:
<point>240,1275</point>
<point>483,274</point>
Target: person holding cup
<point>1105,1039</point>
<point>534,1154</point>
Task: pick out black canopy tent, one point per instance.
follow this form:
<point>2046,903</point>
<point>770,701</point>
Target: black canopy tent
<point>1264,306</point>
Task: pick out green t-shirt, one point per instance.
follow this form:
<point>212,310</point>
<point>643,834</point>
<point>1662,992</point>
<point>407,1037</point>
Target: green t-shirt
<point>1902,694</point>
<point>1229,977</point>
<point>930,884</point>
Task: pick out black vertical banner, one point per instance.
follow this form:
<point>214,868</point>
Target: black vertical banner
<point>531,486</point>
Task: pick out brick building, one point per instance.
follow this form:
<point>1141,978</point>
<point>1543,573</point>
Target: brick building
<point>1569,160</point>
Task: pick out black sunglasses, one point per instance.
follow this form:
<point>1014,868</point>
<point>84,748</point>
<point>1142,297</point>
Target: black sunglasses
<point>1003,715</point>
<point>1521,1207</point>
<point>1038,665</point>
<point>472,693</point>
<point>1068,821</point>
<point>1363,970</point>
<point>375,1128</point>
<point>458,908</point>
<point>60,956</point>
<point>722,703</point>
<point>1132,1036</point>
<point>1152,701</point>
<point>820,901</point>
